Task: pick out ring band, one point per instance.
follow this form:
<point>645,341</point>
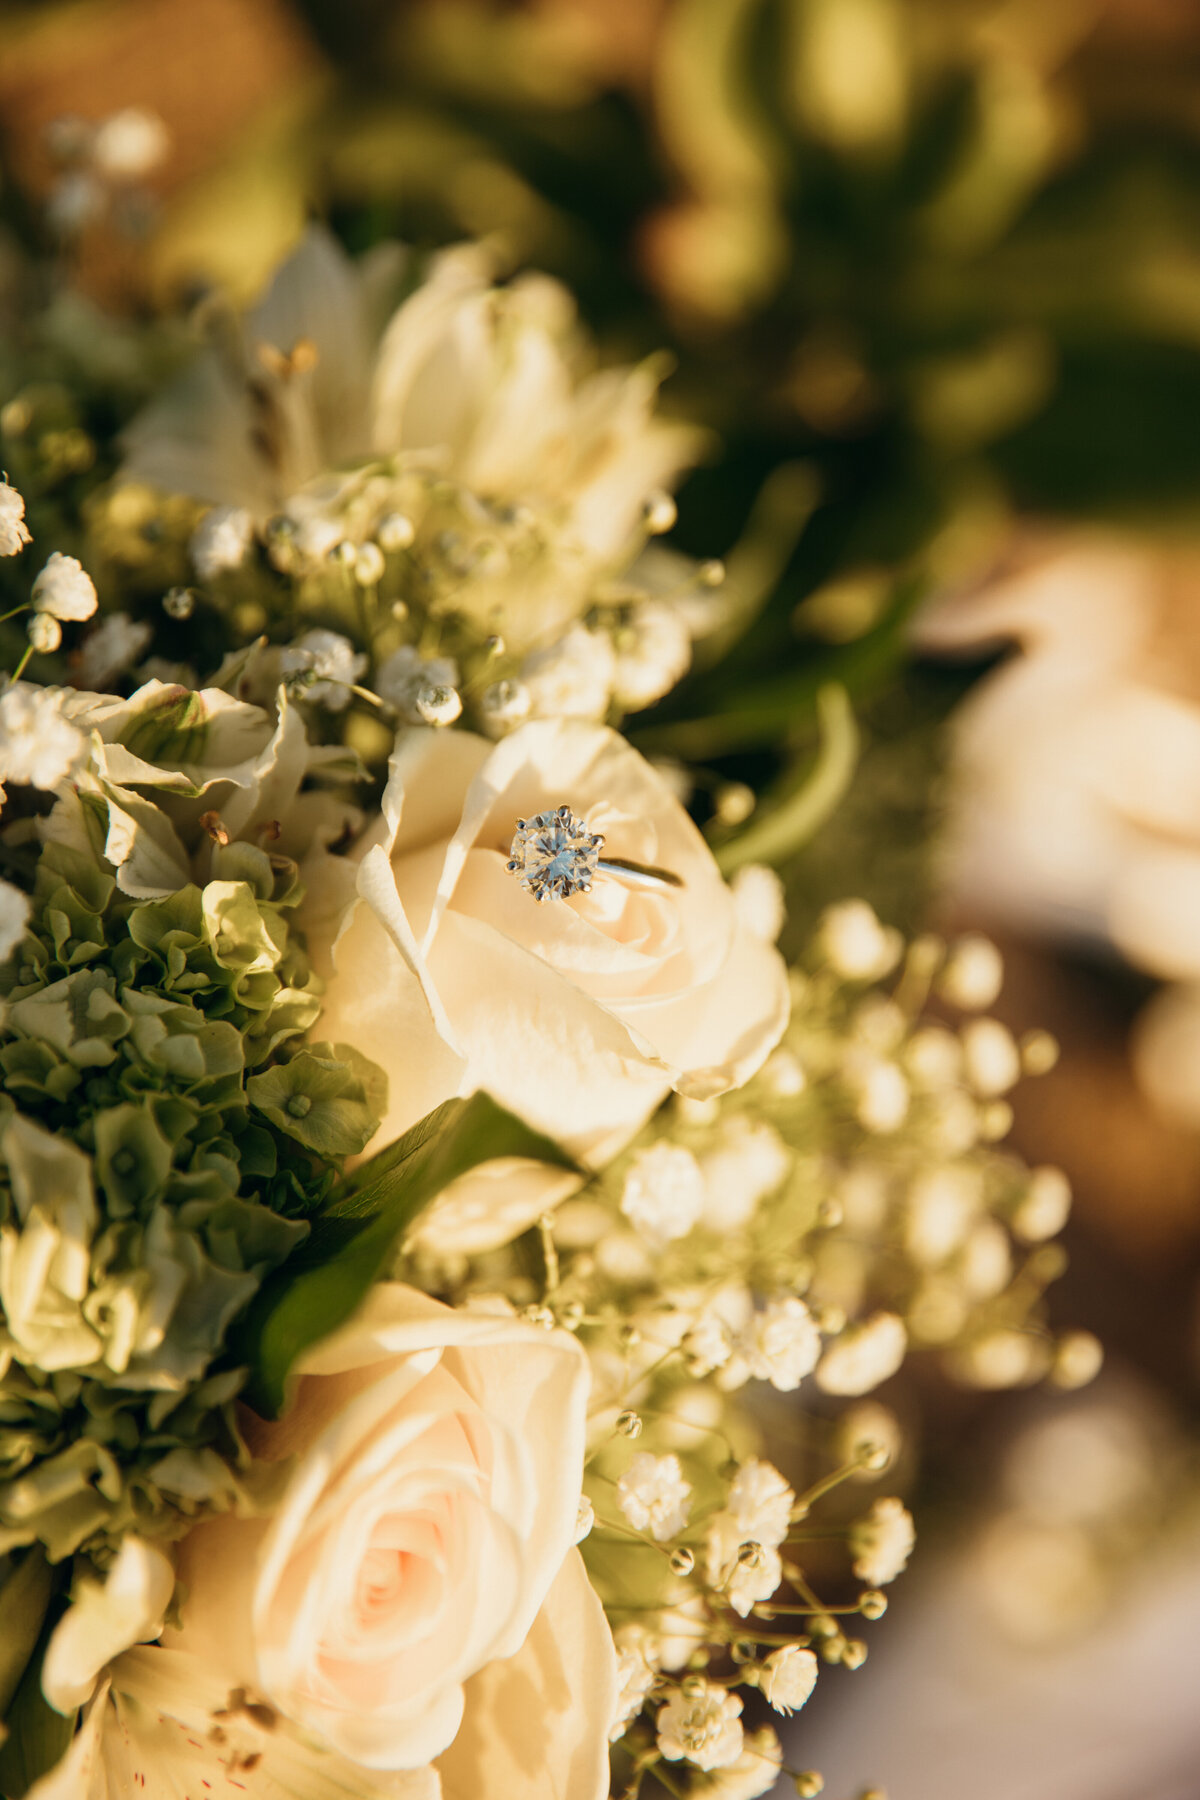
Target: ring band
<point>555,856</point>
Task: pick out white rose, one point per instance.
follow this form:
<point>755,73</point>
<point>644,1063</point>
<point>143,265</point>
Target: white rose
<point>580,1015</point>
<point>425,1538</point>
<point>168,1723</point>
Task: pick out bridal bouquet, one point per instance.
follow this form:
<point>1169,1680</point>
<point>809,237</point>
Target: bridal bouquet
<point>447,1256</point>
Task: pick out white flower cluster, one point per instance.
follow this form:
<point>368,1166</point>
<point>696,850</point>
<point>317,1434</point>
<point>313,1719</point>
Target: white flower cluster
<point>464,491</point>
<point>723,1251</point>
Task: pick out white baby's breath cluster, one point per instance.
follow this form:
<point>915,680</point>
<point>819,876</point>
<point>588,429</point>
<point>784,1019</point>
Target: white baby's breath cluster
<point>102,166</point>
<point>802,1237</point>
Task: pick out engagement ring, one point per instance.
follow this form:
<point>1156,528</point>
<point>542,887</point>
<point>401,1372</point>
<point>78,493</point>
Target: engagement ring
<point>555,856</point>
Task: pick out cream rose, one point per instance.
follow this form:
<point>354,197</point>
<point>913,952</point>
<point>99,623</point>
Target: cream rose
<point>165,1722</point>
<point>430,1514</point>
<point>580,1015</point>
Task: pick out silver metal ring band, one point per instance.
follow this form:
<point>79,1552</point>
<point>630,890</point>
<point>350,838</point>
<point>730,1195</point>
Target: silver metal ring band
<point>641,874</point>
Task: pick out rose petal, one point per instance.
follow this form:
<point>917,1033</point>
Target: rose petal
<point>537,1724</point>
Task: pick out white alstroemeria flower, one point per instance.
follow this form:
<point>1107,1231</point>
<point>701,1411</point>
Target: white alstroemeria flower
<point>213,755</point>
<point>104,1619</point>
<point>166,1723</point>
<point>488,388</point>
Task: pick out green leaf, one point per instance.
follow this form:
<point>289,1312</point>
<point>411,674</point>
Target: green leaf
<point>781,830</point>
<point>37,1735</point>
<point>353,1238</point>
<point>24,1600</point>
<point>770,706</point>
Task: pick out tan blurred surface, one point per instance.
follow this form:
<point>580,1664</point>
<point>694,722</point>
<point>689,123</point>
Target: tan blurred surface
<point>211,69</point>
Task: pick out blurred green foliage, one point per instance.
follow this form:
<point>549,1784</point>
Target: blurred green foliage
<point>938,259</point>
<point>924,251</point>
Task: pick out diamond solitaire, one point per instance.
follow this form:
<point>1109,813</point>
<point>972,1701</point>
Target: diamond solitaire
<point>555,855</point>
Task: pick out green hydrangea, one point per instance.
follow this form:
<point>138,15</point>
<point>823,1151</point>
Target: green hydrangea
<point>164,1133</point>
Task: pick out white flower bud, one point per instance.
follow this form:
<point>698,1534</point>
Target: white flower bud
<point>1078,1359</point>
<point>369,566</point>
<point>973,973</point>
<point>503,706</point>
<point>1045,1208</point>
<point>130,144</point>
<point>991,1057</point>
<point>438,705</point>
<point>659,512</point>
<point>854,943</point>
<point>179,603</point>
<point>758,898</point>
<point>44,632</point>
<point>396,532</point>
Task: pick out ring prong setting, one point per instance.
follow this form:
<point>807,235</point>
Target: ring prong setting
<point>554,855</point>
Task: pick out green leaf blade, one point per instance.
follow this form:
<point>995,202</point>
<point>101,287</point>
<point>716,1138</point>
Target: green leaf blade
<point>353,1238</point>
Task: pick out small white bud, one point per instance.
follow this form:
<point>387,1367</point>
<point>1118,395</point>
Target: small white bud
<point>585,1518</point>
<point>45,633</point>
<point>369,566</point>
<point>179,603</point>
<point>973,973</point>
<point>659,512</point>
<point>396,532</point>
<point>437,705</point>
